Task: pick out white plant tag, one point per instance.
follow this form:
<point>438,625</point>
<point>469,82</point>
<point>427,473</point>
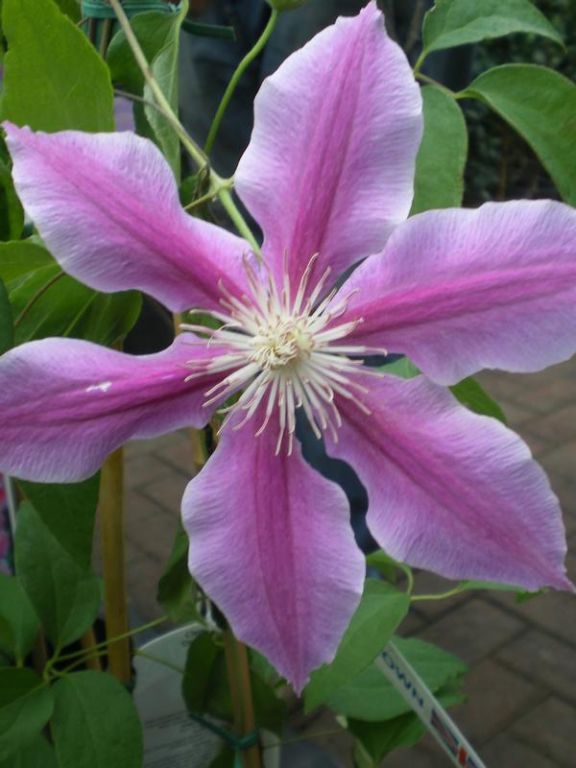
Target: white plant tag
<point>413,689</point>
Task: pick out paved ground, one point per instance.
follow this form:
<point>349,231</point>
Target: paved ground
<point>522,685</point>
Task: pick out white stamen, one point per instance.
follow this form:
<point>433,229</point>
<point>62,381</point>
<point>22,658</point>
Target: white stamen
<point>279,347</point>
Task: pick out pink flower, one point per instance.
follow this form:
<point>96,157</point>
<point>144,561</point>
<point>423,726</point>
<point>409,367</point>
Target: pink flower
<point>328,176</point>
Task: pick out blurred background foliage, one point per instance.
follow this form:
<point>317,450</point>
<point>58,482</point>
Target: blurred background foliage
<point>501,165</point>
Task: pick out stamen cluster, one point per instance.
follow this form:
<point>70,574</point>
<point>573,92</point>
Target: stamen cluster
<point>284,353</point>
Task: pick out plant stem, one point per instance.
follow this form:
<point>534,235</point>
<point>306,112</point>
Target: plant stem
<point>88,643</point>
<point>439,596</point>
<point>431,81</point>
<point>140,100</point>
<point>187,142</point>
<point>232,85</point>
<point>111,521</point>
<point>158,660</point>
<point>419,62</point>
<point>96,656</point>
<point>106,36</point>
<point>238,220</point>
<point>415,27</point>
<point>217,185</point>
<point>111,640</point>
<point>40,654</point>
<point>226,184</point>
<point>199,450</point>
<point>410,579</point>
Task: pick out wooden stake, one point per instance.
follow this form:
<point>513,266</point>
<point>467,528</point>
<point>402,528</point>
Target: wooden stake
<point>112,528</point>
<point>88,643</point>
<point>241,694</point>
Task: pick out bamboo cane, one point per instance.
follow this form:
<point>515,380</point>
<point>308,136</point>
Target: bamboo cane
<point>115,600</point>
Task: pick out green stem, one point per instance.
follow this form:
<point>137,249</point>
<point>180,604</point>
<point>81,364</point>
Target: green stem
<point>410,579</point>
<point>217,185</point>
<point>226,184</point>
<point>238,220</point>
<point>439,596</point>
<point>51,672</point>
<point>240,69</point>
<point>419,62</point>
<point>431,81</point>
<point>187,142</point>
<point>141,100</point>
<point>304,737</point>
<point>158,660</point>
<point>111,640</point>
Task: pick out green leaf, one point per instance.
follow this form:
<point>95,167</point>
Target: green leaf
<point>467,391</point>
<point>95,723</point>
<point>381,610</point>
<point>441,160</point>
<point>25,708</point>
<point>165,70</point>
<point>269,710</point>
<point>19,258</point>
<point>68,511</point>
<point>206,690</point>
<point>2,39</point>
<point>386,565</point>
<point>264,669</point>
<point>198,681</point>
<point>403,368</point>
<point>37,754</point>
<point>19,625</point>
<point>65,596</point>
<point>540,105</point>
<point>105,318</point>
<point>53,78</point>
<point>11,211</point>
<point>209,30</point>
<point>71,8</point>
<point>192,187</point>
<point>176,588</point>
<point>371,697</point>
<point>46,302</point>
<point>435,666</point>
<point>379,739</point>
<point>471,394</point>
<point>226,758</point>
<point>153,31</point>
<point>6,322</point>
<point>457,22</point>
<point>159,36</point>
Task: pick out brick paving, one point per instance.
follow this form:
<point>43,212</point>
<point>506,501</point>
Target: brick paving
<point>521,711</point>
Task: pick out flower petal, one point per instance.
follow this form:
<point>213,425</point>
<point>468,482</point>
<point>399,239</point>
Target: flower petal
<point>451,491</point>
<point>271,544</point>
<point>461,290</point>
<point>66,404</point>
<point>330,166</point>
<point>107,207</point>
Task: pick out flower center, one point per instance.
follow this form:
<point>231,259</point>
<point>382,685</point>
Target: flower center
<point>284,352</point>
<point>285,343</point>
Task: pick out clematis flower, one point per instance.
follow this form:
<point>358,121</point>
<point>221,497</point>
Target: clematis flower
<point>328,176</point>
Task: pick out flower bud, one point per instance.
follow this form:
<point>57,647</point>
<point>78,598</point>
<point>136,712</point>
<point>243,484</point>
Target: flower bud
<point>285,5</point>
